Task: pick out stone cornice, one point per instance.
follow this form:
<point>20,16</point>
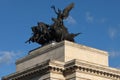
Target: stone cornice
<point>104,71</point>
<point>41,69</point>
<point>66,69</point>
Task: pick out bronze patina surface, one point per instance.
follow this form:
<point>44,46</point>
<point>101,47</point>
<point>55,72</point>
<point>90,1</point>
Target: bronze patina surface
<point>44,33</point>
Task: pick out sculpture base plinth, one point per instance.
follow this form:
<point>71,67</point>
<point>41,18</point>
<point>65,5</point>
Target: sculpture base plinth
<point>63,51</point>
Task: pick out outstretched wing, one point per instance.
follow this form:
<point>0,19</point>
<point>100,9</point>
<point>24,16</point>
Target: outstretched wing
<point>67,10</point>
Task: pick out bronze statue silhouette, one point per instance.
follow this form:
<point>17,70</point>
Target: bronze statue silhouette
<point>41,34</point>
<point>45,34</point>
<point>65,13</point>
<point>58,26</point>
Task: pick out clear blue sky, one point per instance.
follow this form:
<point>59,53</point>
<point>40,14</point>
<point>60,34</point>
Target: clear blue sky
<point>98,20</point>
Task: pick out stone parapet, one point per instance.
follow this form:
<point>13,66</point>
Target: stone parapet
<point>64,52</point>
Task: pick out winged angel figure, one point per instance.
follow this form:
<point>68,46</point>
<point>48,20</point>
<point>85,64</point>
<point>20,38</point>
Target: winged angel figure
<point>58,26</point>
<point>65,13</point>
